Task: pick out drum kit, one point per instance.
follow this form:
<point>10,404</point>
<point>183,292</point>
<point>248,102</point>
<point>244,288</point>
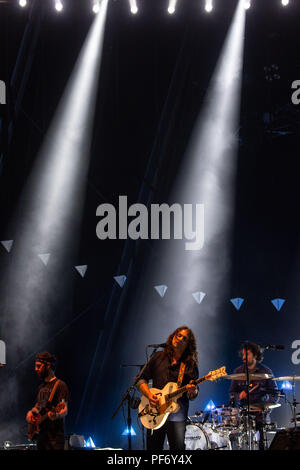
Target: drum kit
<point>235,428</point>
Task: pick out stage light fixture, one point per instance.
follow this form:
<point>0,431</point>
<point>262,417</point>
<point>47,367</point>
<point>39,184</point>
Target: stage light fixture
<point>208,5</point>
<point>210,406</point>
<point>58,5</point>
<point>127,431</point>
<point>22,3</point>
<point>96,6</point>
<point>172,6</point>
<point>286,385</point>
<point>133,7</point>
<point>285,2</point>
<point>90,443</point>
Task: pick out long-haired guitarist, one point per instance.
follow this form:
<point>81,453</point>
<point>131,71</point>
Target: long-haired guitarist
<point>46,418</point>
<point>178,363</point>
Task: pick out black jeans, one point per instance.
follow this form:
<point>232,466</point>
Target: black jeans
<point>175,432</point>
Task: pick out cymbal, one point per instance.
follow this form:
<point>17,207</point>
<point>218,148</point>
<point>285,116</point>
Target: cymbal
<point>197,415</point>
<point>288,377</point>
<point>258,407</point>
<point>252,377</point>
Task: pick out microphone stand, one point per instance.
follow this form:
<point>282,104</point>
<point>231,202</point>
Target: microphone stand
<point>294,404</point>
<point>248,397</point>
<point>127,397</point>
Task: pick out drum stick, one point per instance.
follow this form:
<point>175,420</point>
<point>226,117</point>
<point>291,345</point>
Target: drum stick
<point>253,388</point>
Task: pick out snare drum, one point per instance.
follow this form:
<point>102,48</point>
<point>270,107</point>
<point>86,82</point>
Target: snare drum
<point>226,416</point>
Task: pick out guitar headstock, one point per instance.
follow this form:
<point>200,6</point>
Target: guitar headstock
<point>216,374</point>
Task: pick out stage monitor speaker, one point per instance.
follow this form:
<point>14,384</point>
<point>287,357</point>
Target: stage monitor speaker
<point>286,439</point>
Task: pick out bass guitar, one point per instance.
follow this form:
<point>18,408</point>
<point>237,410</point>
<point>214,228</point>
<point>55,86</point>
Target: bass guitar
<point>155,417</point>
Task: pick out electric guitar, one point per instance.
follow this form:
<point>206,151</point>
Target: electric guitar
<point>155,417</point>
<point>34,428</point>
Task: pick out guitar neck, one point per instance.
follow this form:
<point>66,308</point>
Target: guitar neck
<point>182,390</point>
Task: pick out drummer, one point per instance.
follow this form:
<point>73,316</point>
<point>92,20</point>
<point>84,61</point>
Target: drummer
<point>260,391</point>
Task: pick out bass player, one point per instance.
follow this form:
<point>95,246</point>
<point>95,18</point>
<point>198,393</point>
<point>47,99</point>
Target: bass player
<point>46,418</point>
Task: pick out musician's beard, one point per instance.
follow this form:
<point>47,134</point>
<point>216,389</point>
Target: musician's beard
<point>251,363</point>
<point>43,374</point>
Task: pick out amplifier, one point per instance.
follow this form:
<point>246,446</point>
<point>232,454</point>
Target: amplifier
<point>286,439</point>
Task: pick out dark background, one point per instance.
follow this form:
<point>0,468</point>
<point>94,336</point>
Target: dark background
<point>155,72</point>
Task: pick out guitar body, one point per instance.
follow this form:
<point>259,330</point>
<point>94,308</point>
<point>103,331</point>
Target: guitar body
<point>34,428</point>
<point>155,418</point>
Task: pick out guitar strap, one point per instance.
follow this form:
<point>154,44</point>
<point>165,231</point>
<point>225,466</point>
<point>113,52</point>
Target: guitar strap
<point>53,391</point>
<point>181,374</point>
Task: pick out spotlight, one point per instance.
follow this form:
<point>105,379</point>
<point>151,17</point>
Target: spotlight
<point>172,6</point>
<point>208,5</point>
<point>286,385</point>
<point>133,7</point>
<point>7,445</point>
<point>127,431</point>
<point>58,5</point>
<point>96,6</point>
<point>89,443</point>
<point>22,3</point>
<point>285,2</point>
<point>210,406</point>
<point>247,4</point>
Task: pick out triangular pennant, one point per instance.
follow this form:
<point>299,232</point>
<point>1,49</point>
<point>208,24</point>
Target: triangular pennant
<point>199,296</point>
<point>45,258</point>
<point>278,303</point>
<point>126,432</point>
<point>81,269</point>
<point>120,280</point>
<point>161,290</point>
<point>237,302</point>
<point>7,244</point>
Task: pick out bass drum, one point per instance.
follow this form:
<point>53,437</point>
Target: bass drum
<point>196,438</point>
<point>219,439</point>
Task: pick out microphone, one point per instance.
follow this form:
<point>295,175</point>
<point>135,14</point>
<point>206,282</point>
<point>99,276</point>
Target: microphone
<point>275,347</point>
<point>161,345</point>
